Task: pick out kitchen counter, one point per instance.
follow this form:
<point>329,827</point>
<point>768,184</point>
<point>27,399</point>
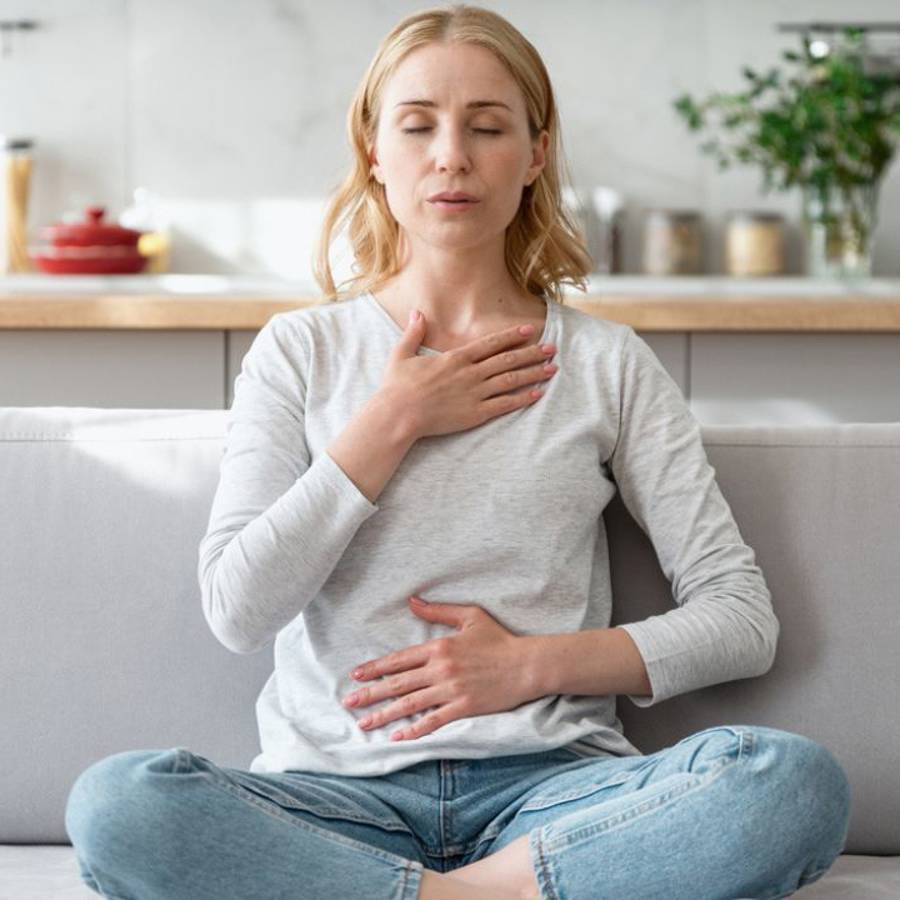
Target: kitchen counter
<point>241,302</point>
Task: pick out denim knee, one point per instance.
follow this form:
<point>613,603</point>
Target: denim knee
<point>97,808</point>
<point>808,775</point>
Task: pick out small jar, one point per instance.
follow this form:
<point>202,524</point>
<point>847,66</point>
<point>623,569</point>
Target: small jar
<point>15,181</point>
<point>754,243</point>
<point>673,242</point>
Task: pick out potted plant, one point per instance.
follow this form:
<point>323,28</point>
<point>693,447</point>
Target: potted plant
<point>830,128</point>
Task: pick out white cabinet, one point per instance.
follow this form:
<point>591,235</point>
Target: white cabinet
<point>784,378</point>
<point>138,369</point>
<point>794,378</point>
<point>727,377</point>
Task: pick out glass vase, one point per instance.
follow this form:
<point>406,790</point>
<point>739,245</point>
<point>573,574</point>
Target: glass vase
<point>839,227</point>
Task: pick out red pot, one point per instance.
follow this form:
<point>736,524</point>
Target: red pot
<point>89,247</point>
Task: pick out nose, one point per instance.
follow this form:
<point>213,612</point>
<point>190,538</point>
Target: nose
<point>451,152</point>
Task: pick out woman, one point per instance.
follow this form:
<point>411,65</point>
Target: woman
<point>373,456</point>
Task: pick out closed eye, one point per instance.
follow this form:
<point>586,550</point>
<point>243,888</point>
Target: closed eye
<point>428,128</point>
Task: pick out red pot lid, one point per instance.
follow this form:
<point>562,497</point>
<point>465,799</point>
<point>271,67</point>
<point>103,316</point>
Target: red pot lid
<point>90,233</point>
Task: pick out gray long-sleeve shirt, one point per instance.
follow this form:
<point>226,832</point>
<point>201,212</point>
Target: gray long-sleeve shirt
<point>506,516</point>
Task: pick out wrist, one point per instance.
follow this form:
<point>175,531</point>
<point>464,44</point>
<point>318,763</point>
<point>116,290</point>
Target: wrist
<point>536,678</point>
<point>395,417</point>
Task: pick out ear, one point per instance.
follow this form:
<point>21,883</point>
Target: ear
<point>539,157</point>
<point>374,167</point>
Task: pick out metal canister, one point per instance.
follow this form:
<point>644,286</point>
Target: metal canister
<point>15,181</point>
<point>754,243</point>
<point>673,242</point>
<point>605,248</point>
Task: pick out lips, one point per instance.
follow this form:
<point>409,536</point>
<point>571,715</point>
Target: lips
<point>452,197</point>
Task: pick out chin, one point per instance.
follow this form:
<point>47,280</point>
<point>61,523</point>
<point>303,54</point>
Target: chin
<point>460,235</point>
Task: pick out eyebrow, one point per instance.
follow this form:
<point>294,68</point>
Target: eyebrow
<point>474,104</point>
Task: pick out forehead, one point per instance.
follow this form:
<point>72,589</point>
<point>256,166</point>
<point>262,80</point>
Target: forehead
<point>451,74</point>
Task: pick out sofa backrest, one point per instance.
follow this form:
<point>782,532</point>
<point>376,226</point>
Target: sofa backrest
<point>104,646</point>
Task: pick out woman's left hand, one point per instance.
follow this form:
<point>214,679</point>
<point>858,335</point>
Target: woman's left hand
<point>481,670</point>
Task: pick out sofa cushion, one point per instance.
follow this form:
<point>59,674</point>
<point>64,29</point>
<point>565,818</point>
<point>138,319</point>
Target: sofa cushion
<point>105,645</point>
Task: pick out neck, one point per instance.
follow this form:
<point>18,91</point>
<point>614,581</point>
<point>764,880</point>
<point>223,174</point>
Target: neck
<point>456,300</point>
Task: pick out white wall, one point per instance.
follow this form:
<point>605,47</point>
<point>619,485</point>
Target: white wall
<point>233,110</point>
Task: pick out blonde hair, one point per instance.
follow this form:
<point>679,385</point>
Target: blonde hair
<point>543,247</point>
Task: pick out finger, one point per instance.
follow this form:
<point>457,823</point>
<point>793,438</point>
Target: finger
<point>504,403</point>
<point>389,687</point>
<point>407,705</point>
<point>482,348</point>
<point>430,723</point>
<point>529,360</point>
<point>405,659</point>
<point>514,380</point>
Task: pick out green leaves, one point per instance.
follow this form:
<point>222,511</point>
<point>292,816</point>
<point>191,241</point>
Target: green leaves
<point>827,122</point>
<point>691,112</point>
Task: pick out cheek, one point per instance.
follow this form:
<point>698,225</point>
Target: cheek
<point>397,181</point>
<point>510,177</point>
<point>506,165</point>
<point>406,173</point>
<point>514,165</point>
<point>402,196</point>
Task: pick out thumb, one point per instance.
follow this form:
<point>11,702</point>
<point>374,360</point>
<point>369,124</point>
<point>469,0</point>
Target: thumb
<point>446,613</point>
<point>412,335</point>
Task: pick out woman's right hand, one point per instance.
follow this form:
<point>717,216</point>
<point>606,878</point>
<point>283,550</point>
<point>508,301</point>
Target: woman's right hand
<point>465,387</point>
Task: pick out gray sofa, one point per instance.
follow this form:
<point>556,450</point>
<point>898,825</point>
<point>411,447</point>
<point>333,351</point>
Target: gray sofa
<point>104,646</point>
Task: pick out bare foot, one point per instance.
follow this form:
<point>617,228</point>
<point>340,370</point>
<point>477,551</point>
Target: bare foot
<point>508,872</point>
<point>494,893</point>
<point>443,886</point>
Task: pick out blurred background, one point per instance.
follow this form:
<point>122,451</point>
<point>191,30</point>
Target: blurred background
<point>732,167</point>
<point>230,113</point>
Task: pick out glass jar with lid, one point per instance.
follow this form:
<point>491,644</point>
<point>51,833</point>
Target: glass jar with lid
<point>754,243</point>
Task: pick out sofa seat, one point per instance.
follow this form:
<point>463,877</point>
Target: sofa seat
<point>50,872</point>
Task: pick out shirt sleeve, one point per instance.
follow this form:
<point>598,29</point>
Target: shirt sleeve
<point>278,523</point>
<point>724,627</point>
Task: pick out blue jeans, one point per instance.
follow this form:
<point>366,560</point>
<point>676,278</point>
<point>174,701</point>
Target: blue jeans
<point>739,811</point>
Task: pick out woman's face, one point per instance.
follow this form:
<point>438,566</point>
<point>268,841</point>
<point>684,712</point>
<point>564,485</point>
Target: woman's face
<point>441,143</point>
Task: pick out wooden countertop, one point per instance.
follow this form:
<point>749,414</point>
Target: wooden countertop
<point>227,302</point>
